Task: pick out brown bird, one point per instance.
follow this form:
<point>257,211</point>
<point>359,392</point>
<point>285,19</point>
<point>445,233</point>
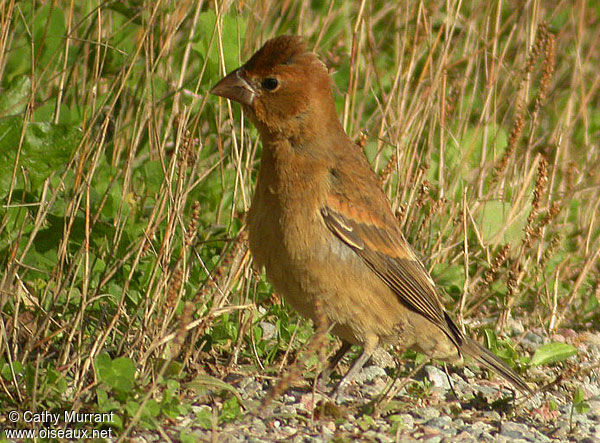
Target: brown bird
<point>321,225</point>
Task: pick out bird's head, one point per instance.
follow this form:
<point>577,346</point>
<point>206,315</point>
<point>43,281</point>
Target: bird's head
<point>284,88</point>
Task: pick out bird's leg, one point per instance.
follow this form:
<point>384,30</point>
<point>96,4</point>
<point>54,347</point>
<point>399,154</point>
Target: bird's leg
<point>333,361</point>
<point>368,349</point>
<point>450,380</point>
<point>339,392</point>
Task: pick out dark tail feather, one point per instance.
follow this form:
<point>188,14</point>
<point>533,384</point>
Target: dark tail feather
<point>493,362</point>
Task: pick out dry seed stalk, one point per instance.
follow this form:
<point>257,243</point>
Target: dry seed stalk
<point>452,99</point>
<point>540,42</point>
<point>546,41</point>
<point>534,233</point>
<point>547,70</point>
<point>571,173</point>
<point>400,212</point>
<point>423,194</point>
<point>188,146</point>
<point>184,320</point>
<point>389,167</point>
<point>501,256</point>
<point>193,228</point>
<point>174,287</point>
<point>516,271</point>
<point>538,192</point>
<point>545,221</point>
<point>362,140</point>
<point>514,278</point>
<point>515,134</point>
<point>177,277</point>
<point>434,208</point>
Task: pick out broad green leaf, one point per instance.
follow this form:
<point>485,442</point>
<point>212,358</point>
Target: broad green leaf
<point>491,339</point>
<point>465,155</point>
<point>231,410</point>
<point>204,417</point>
<point>118,373</point>
<point>48,34</point>
<point>186,437</point>
<point>46,148</point>
<point>449,276</point>
<point>232,39</point>
<point>552,353</point>
<point>492,218</point>
<point>14,99</point>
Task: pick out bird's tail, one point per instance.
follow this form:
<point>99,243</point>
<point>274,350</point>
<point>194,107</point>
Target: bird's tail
<point>491,361</point>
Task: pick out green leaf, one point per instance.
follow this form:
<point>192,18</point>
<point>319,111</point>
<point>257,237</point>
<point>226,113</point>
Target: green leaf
<point>119,373</point>
<point>203,383</point>
<point>186,437</point>
<point>552,353</point>
<point>579,401</point>
<point>151,409</point>
<point>397,423</point>
<point>46,148</point>
<point>14,99</point>
<point>449,276</point>
<point>366,422</point>
<point>234,30</point>
<point>463,157</point>
<point>578,396</point>
<point>204,417</point>
<point>106,403</point>
<point>491,339</point>
<point>48,34</point>
<point>231,410</point>
<point>6,371</point>
<point>492,218</point>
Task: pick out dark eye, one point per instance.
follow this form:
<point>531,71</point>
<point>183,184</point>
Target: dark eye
<point>270,83</point>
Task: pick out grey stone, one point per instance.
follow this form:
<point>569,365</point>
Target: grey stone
<point>426,414</point>
<point>408,421</point>
<point>370,373</point>
<point>468,373</point>
<point>478,428</point>
<point>532,341</point>
<point>438,378</point>
<point>515,430</point>
<point>492,416</point>
<point>439,422</point>
<point>269,330</point>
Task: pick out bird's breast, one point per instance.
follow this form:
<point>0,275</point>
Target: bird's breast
<point>284,222</point>
<point>305,261</point>
<point>287,234</point>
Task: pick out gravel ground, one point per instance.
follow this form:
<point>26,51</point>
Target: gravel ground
<point>485,410</point>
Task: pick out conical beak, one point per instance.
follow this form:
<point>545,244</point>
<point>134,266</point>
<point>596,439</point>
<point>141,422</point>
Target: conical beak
<point>235,87</point>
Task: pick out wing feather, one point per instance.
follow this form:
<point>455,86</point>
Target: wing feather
<point>386,252</point>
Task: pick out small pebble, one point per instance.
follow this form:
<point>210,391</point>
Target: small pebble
<point>439,422</point>
<point>369,373</point>
<point>514,430</point>
<point>426,414</point>
<point>438,378</point>
<point>269,330</point>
